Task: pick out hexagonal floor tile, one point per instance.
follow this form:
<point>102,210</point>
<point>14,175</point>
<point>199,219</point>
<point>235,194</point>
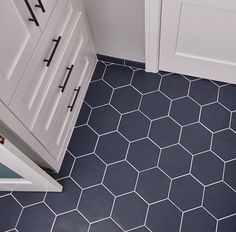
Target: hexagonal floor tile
<point>233,121</point>
<point>155,105</point>
<point>146,82</point>
<point>185,111</point>
<point>203,91</point>
<point>36,218</point>
<point>83,115</point>
<point>67,199</point>
<point>163,216</point>
<point>174,86</point>
<point>129,211</point>
<point>143,154</point>
<point>175,161</point>
<point>230,172</point>
<point>104,119</point>
<point>196,138</point>
<point>106,225</point>
<point>117,75</point>
<point>99,93</point>
<point>88,171</point>
<point>220,200</point>
<point>9,213</point>
<point>111,147</point>
<point>186,192</point>
<point>120,178</point>
<point>153,185</point>
<point>134,126</point>
<point>215,117</point>
<point>227,96</point>
<point>198,220</point>
<point>99,71</point>
<point>140,229</point>
<point>227,224</point>
<point>71,221</point>
<point>82,141</point>
<point>96,203</point>
<point>224,144</point>
<point>28,198</point>
<point>126,99</point>
<point>164,132</point>
<point>207,168</point>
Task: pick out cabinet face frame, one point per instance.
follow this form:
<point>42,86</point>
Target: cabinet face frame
<point>152,34</point>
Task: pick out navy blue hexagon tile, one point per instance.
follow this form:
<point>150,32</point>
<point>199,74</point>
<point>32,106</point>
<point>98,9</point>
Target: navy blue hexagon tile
<point>185,111</point>
<point>207,168</point>
<point>120,178</point>
<point>164,216</point>
<point>143,154</point>
<point>227,224</point>
<point>227,96</point>
<point>233,121</point>
<point>153,185</point>
<point>196,138</point>
<point>215,117</point>
<point>83,141</point>
<point>99,71</point>
<point>96,203</point>
<point>175,161</point>
<point>140,229</point>
<point>72,221</point>
<point>129,211</point>
<point>220,200</point>
<point>126,99</point>
<point>203,91</point>
<point>99,93</point>
<point>67,200</point>
<point>36,218</point>
<point>112,147</point>
<point>106,225</point>
<point>224,144</point>
<point>83,115</point>
<point>174,86</point>
<point>186,192</point>
<point>104,119</point>
<point>9,213</point>
<point>88,171</point>
<point>146,82</point>
<point>198,220</point>
<point>117,75</point>
<point>164,132</point>
<point>155,105</point>
<point>230,174</point>
<point>134,126</point>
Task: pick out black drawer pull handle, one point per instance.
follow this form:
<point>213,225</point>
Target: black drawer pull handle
<point>48,61</point>
<point>40,5</point>
<point>33,19</point>
<point>62,87</point>
<point>73,103</point>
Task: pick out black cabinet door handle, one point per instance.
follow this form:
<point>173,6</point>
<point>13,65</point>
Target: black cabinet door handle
<point>49,60</point>
<point>62,87</point>
<point>33,19</point>
<point>40,5</point>
<point>75,98</point>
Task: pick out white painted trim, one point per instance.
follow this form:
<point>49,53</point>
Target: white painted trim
<point>152,34</point>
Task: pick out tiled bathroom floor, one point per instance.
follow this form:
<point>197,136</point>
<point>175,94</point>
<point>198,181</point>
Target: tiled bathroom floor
<point>150,152</point>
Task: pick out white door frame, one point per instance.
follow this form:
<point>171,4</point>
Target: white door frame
<point>152,34</point>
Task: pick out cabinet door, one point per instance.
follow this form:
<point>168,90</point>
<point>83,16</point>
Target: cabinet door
<point>198,38</point>
<point>19,173</point>
<point>39,73</point>
<point>18,39</point>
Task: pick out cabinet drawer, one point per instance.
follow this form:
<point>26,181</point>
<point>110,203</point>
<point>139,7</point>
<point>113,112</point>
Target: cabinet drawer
<point>60,89</point>
<point>39,74</point>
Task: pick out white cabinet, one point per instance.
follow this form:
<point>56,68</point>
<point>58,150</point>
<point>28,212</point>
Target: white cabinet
<point>198,38</point>
<point>19,36</point>
<point>52,59</point>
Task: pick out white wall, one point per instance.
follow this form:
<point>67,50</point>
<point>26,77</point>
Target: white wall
<point>118,27</point>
